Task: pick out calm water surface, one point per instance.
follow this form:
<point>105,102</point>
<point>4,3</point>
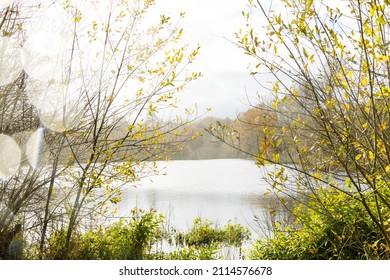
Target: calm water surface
<point>219,190</point>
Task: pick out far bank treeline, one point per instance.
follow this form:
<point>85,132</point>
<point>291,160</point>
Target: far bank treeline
<point>203,145</point>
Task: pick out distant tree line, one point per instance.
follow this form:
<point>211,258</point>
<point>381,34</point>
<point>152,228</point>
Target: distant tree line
<point>248,132</point>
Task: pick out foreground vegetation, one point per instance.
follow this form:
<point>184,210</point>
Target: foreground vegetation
<point>324,120</point>
<point>329,225</point>
<point>79,109</point>
<point>328,122</point>
<point>340,229</point>
<point>144,237</point>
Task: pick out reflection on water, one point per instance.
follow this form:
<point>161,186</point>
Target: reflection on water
<point>219,190</point>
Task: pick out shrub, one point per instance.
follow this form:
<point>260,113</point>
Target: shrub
<point>134,239</point>
<point>332,225</point>
<point>126,239</point>
<point>203,233</point>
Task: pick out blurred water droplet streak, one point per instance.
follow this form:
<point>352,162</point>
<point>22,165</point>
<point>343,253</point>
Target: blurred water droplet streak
<point>34,148</point>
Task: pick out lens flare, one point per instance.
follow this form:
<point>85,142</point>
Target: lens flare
<point>34,148</point>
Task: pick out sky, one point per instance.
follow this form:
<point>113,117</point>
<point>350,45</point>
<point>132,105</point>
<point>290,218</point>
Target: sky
<point>226,82</point>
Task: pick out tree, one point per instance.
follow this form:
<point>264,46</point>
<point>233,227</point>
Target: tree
<point>203,145</point>
<point>251,127</point>
<point>329,66</point>
<point>97,90</point>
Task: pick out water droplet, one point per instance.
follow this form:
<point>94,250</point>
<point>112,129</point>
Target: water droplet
<point>40,65</point>
<point>60,106</point>
<point>50,20</point>
<point>5,3</point>
<point>10,65</point>
<point>10,157</point>
<point>5,214</point>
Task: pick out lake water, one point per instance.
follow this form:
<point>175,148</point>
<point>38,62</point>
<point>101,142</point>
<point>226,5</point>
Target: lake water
<point>218,190</point>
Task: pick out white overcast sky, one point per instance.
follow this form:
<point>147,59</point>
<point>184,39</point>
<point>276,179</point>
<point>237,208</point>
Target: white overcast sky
<point>226,83</point>
<point>226,78</point>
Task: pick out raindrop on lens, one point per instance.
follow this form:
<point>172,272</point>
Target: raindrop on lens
<point>10,65</point>
<point>6,3</point>
<point>5,214</point>
<point>59,105</point>
<point>10,157</point>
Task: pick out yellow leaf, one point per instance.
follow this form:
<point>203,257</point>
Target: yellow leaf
<point>305,53</point>
<point>381,20</point>
<point>373,11</point>
<point>368,30</point>
<point>385,91</point>
<point>359,156</point>
<point>371,155</point>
